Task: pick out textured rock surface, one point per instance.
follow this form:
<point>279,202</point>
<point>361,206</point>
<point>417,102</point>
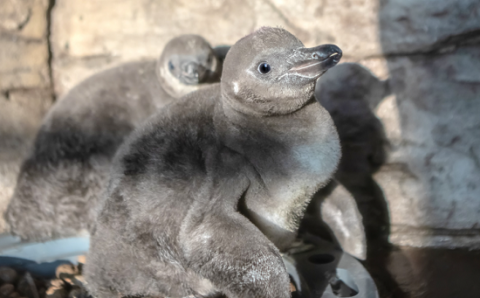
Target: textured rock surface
<point>132,30</point>
<point>431,182</point>
<point>20,116</point>
<point>412,26</point>
<point>25,93</point>
<point>138,29</point>
<point>23,39</point>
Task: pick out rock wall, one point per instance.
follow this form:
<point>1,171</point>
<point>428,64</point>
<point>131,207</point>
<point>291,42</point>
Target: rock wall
<point>25,85</point>
<point>433,121</point>
<point>91,35</point>
<point>429,49</point>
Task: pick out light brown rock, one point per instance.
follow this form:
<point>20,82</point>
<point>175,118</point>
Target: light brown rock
<point>23,42</point>
<point>132,30</point>
<point>20,116</point>
<point>23,63</point>
<point>14,14</point>
<point>139,29</point>
<point>352,25</point>
<point>25,85</point>
<point>24,18</point>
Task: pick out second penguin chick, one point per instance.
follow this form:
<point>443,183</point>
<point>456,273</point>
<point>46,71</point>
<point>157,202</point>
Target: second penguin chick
<point>60,182</point>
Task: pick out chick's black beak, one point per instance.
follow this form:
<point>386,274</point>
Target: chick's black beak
<point>313,62</point>
<point>193,73</point>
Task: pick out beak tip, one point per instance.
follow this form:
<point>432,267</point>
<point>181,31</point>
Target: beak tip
<point>324,58</point>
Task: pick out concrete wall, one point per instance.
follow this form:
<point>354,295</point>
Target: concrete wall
<point>430,49</point>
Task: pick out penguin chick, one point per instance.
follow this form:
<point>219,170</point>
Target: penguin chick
<point>206,194</point>
<point>349,93</point>
<point>60,182</point>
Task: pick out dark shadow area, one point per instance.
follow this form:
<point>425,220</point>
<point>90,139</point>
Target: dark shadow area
<point>378,248</point>
<point>377,264</point>
<point>221,52</point>
<point>349,92</point>
<point>424,272</point>
<point>311,223</point>
<point>371,204</point>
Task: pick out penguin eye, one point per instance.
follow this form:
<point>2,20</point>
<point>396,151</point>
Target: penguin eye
<point>264,68</point>
<point>170,65</point>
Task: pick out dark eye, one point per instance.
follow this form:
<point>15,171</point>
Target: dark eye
<point>170,65</point>
<point>264,68</point>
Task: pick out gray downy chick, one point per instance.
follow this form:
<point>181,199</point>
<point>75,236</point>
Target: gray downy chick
<point>350,93</point>
<point>205,196</point>
<point>59,184</point>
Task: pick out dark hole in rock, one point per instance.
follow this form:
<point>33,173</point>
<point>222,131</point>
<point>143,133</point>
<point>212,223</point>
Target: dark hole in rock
<point>321,259</point>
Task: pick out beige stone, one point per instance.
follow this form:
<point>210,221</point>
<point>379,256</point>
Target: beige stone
<point>23,63</point>
<point>24,18</point>
<point>377,65</point>
<point>90,35</point>
<point>352,25</point>
<point>23,44</point>
<point>14,14</point>
<point>21,112</point>
<point>387,112</point>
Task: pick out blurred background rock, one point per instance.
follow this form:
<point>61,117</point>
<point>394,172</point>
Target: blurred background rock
<point>429,49</point>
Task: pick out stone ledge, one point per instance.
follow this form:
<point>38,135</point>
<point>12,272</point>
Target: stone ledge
<point>425,237</point>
